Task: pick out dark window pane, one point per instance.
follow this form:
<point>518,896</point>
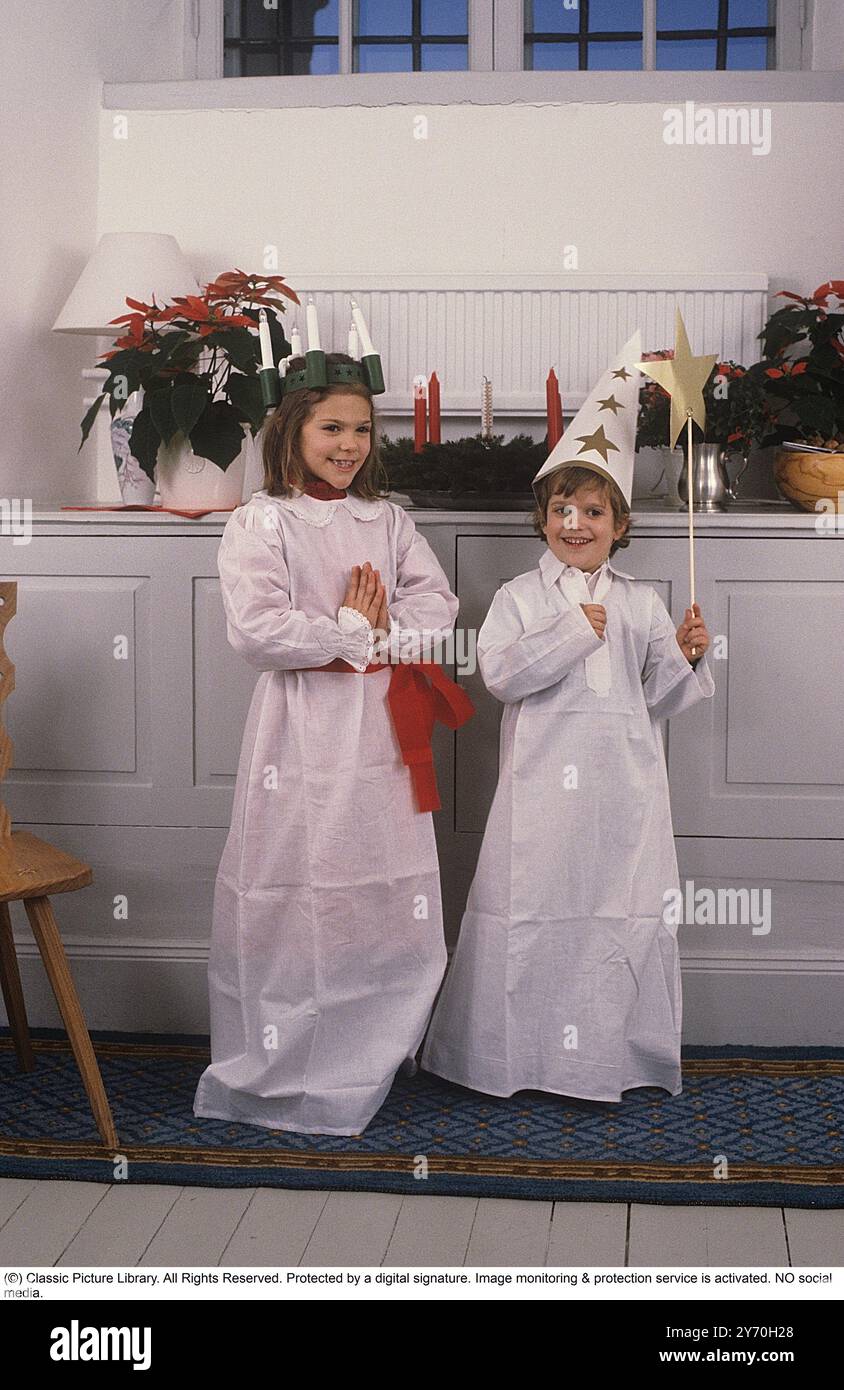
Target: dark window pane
<point>615,56</point>
<point>231,62</point>
<point>615,14</point>
<point>442,57</point>
<point>751,14</point>
<point>258,64</point>
<point>260,23</point>
<point>385,57</point>
<point>686,14</point>
<point>550,17</point>
<point>551,57</point>
<point>686,54</point>
<point>317,17</point>
<point>231,19</point>
<point>445,17</point>
<point>748,53</point>
<point>384,17</point>
<point>317,58</point>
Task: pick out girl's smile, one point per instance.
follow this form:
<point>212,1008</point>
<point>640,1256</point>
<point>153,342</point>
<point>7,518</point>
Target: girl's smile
<point>334,441</point>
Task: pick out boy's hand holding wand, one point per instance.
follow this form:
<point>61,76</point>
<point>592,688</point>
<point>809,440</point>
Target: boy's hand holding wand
<point>683,377</point>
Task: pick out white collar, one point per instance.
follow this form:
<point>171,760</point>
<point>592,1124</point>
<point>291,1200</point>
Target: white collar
<point>316,512</point>
<point>551,567</point>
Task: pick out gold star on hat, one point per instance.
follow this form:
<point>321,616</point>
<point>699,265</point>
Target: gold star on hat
<point>598,442</point>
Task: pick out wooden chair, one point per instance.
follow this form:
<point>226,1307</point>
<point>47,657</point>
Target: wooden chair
<point>30,870</point>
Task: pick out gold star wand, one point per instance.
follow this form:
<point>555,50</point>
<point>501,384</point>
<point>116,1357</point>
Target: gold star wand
<point>683,377</point>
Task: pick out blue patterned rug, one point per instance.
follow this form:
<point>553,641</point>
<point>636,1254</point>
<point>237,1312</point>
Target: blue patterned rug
<point>755,1126</point>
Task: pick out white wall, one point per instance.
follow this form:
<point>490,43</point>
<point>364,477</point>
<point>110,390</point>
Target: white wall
<point>493,189</point>
<point>54,57</point>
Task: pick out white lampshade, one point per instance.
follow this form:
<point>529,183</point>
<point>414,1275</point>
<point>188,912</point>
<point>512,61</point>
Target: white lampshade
<point>138,264</point>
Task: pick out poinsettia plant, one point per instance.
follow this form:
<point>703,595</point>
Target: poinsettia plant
<point>803,367</point>
<point>197,361</point>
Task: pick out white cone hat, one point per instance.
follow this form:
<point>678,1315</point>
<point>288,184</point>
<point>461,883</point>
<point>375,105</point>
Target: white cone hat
<point>602,435</point>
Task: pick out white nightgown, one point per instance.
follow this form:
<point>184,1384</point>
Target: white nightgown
<point>565,977</point>
<point>327,943</point>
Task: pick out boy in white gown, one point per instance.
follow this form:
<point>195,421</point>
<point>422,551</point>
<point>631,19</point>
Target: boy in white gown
<point>566,976</point>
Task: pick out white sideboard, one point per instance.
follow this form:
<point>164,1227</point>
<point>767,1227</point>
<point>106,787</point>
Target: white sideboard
<point>129,709</point>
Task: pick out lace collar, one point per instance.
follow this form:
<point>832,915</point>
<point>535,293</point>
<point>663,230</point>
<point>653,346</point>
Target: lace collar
<point>318,513</point>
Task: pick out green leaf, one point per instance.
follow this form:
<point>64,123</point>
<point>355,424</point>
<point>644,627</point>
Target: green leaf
<point>144,442</point>
<point>240,346</point>
<point>161,409</point>
<point>218,435</point>
<point>90,417</point>
<point>244,392</point>
<point>189,399</point>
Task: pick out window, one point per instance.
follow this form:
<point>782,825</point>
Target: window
<point>410,35</point>
<point>690,34</point>
<point>290,37</point>
<point>293,37</point>
<point>715,34</point>
<point>591,34</point>
<point>324,37</point>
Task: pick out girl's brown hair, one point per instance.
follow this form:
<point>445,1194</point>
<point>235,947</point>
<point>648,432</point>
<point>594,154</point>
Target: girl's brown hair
<point>565,481</point>
<point>284,468</point>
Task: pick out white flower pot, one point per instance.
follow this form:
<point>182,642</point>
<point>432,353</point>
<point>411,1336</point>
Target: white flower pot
<point>187,481</point>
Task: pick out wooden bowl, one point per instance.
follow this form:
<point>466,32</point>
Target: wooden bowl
<point>807,478</point>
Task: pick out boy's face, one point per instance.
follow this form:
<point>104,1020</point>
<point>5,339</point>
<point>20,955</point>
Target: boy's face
<point>580,529</point>
<point>334,441</point>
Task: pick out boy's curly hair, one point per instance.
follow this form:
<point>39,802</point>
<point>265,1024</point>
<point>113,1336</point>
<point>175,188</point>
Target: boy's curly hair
<point>565,481</point>
<point>284,468</point>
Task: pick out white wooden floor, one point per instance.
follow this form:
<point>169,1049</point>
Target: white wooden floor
<point>95,1224</point>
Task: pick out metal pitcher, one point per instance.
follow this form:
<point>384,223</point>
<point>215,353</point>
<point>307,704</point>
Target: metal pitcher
<point>711,483</point>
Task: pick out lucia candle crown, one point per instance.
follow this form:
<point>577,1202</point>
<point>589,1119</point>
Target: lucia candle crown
<point>317,371</point>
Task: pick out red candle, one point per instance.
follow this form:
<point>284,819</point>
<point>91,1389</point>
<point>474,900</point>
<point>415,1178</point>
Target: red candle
<point>419,422</point>
<point>553,409</point>
<point>434,409</point>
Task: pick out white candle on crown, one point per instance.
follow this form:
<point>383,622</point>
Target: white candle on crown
<point>353,342</point>
<point>266,341</point>
<point>313,327</point>
<point>295,342</point>
<point>366,348</point>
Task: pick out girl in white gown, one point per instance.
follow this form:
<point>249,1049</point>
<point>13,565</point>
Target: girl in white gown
<point>327,944</point>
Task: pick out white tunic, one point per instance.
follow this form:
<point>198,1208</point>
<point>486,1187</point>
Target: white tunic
<point>324,966</point>
<point>565,977</point>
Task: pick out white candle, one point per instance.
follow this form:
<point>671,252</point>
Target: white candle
<point>366,348</point>
<point>313,327</point>
<point>353,341</point>
<point>295,342</point>
<point>266,341</point>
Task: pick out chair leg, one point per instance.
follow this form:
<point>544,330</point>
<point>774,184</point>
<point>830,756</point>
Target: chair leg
<point>10,980</point>
<point>46,932</point>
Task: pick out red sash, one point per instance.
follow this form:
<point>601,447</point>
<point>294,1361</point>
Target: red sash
<point>415,706</point>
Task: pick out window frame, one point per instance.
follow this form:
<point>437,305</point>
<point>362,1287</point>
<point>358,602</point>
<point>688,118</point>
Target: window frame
<point>496,46</point>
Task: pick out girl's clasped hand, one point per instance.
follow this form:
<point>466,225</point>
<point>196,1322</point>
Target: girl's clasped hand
<point>367,595</point>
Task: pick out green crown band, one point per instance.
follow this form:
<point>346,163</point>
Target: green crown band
<point>317,372</point>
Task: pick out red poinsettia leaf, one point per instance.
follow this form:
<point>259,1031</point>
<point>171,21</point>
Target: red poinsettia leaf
<point>798,368</point>
<point>774,371</point>
<point>787,294</point>
<point>823,292</point>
